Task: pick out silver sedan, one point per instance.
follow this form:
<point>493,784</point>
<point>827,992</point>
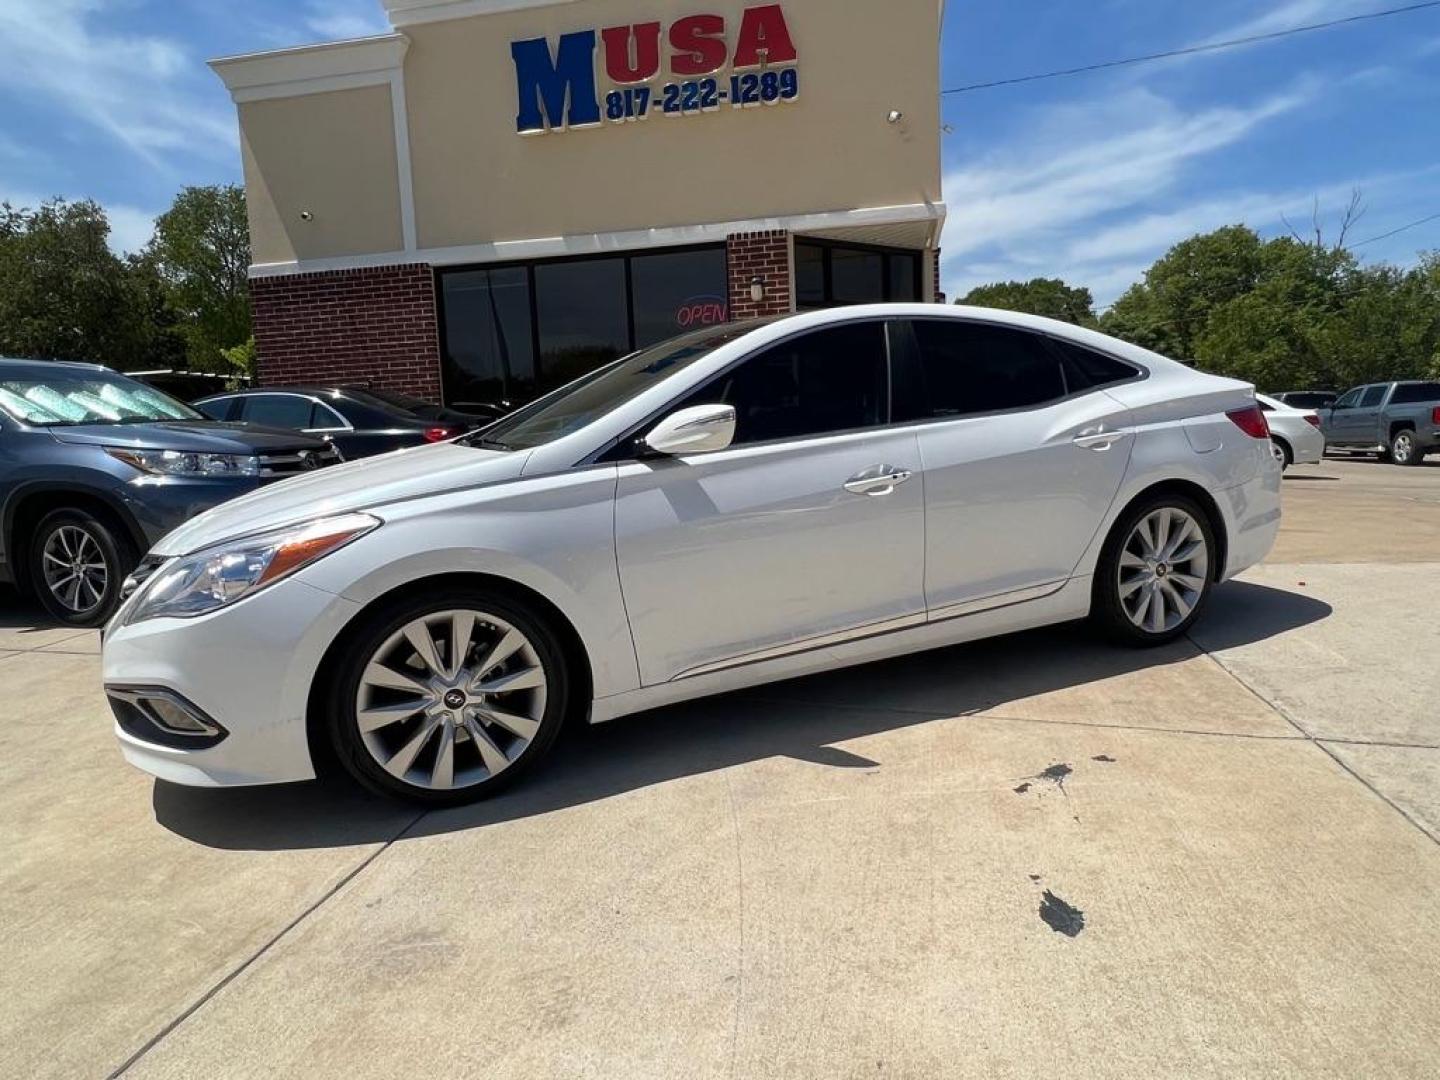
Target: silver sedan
<point>747,503</point>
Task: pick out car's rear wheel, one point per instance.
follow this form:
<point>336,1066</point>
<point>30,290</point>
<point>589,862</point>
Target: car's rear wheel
<point>1404,450</point>
<point>447,698</point>
<point>1282,451</point>
<point>77,564</point>
<point>1155,572</point>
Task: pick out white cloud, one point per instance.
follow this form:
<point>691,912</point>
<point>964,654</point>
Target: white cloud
<point>341,19</point>
<point>130,228</point>
<point>141,90</point>
<point>1044,199</point>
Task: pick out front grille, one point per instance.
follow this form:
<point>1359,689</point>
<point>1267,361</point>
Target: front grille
<point>296,462</point>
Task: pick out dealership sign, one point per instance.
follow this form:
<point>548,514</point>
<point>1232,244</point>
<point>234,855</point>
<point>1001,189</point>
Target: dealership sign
<point>559,86</point>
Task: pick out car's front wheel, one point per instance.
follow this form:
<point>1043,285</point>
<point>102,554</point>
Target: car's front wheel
<point>1155,572</point>
<point>446,698</point>
<point>77,564</point>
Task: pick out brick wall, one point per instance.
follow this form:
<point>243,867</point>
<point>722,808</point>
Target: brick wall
<point>376,325</point>
<point>762,254</point>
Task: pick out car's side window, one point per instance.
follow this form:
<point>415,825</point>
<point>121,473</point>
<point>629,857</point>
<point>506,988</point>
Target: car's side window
<point>1373,396</point>
<point>324,418</point>
<point>973,368</point>
<point>825,381</point>
<point>219,409</point>
<point>278,410</point>
<point>1347,400</point>
<point>1086,369</point>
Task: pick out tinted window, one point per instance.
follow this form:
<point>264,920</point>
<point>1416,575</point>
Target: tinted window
<point>1086,369</point>
<point>1415,393</point>
<point>857,277</point>
<point>278,410</point>
<point>583,321</point>
<point>489,350</point>
<point>1373,396</point>
<point>976,368</point>
<point>1349,398</point>
<point>677,292</point>
<point>324,418</point>
<point>836,379</point>
<point>828,274</point>
<point>810,276</point>
<point>216,410</point>
<point>1303,400</point>
<point>1264,407</point>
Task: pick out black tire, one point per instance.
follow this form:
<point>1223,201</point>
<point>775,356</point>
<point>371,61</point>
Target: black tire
<point>1404,450</point>
<point>57,534</point>
<point>1287,456</point>
<point>1107,609</point>
<point>340,700</point>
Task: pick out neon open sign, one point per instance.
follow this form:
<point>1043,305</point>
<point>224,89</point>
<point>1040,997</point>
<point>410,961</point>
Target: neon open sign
<point>559,89</point>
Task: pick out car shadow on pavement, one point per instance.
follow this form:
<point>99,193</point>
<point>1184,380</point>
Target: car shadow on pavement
<point>801,719</point>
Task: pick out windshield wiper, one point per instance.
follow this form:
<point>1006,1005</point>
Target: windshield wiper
<point>493,444</point>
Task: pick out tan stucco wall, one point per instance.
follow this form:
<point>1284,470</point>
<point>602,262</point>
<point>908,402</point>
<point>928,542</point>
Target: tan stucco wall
<point>332,154</point>
<point>476,181</point>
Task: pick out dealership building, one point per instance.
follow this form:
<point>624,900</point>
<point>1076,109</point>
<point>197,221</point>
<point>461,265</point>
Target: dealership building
<point>500,195</point>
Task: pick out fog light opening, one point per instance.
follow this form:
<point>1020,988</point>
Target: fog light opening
<point>163,717</point>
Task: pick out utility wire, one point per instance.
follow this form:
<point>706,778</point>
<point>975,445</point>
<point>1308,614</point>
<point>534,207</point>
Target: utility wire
<point>1192,50</point>
<point>1397,232</point>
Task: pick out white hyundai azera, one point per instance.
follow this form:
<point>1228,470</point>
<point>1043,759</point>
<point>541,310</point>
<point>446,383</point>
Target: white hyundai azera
<point>743,504</point>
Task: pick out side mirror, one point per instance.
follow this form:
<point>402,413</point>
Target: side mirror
<point>703,429</point>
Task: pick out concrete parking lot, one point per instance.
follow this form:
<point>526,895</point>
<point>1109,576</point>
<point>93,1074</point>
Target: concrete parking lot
<point>1038,856</point>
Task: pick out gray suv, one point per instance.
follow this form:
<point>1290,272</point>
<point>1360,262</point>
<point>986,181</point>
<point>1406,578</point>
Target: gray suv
<point>95,467</point>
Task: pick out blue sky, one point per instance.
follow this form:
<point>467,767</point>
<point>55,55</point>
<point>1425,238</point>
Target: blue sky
<point>1087,178</point>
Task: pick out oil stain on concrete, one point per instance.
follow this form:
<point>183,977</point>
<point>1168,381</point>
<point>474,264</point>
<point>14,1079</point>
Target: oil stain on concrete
<point>1060,916</point>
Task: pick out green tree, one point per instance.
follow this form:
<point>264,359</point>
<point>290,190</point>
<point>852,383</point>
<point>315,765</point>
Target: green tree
<point>201,253</point>
<point>1050,297</point>
<point>64,295</point>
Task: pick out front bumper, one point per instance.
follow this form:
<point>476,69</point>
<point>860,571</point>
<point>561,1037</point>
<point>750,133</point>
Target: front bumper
<point>249,667</point>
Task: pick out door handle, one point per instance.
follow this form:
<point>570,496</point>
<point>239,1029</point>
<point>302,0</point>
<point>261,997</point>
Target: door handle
<point>877,480</point>
<point>1098,439</point>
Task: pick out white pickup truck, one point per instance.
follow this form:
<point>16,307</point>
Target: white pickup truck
<point>1398,420</point>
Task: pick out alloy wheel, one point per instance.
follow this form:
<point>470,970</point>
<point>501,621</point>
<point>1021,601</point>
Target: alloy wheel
<point>1164,567</point>
<point>76,572</point>
<point>451,700</point>
<point>1402,449</point>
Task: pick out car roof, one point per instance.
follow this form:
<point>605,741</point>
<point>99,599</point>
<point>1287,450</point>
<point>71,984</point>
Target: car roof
<point>36,367</point>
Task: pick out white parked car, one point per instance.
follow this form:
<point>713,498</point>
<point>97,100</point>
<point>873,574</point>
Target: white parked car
<point>743,504</point>
<point>1295,433</point>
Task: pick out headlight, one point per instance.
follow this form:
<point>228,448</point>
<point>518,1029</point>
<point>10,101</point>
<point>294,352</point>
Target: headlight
<point>210,579</point>
<point>185,463</point>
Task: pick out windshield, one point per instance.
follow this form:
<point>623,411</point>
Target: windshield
<point>68,396</point>
<point>572,407</point>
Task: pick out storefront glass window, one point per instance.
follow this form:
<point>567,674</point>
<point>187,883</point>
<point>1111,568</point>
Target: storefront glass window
<point>489,347</point>
<point>810,276</point>
<point>829,274</point>
<point>676,292</point>
<point>582,317</point>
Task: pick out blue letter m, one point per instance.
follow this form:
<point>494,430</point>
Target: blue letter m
<point>544,82</point>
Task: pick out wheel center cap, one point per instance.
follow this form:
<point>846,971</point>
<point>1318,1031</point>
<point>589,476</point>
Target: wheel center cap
<point>455,699</point>
<point>1161,570</point>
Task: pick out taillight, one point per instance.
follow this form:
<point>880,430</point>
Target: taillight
<point>437,434</point>
<point>1251,421</point>
<point>1435,416</point>
<point>1314,421</point>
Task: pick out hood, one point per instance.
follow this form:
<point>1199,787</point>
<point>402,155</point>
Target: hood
<point>190,436</point>
<point>368,484</point>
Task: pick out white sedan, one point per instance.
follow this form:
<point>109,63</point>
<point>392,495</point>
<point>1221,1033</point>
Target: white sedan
<point>1295,433</point>
<point>743,504</point>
